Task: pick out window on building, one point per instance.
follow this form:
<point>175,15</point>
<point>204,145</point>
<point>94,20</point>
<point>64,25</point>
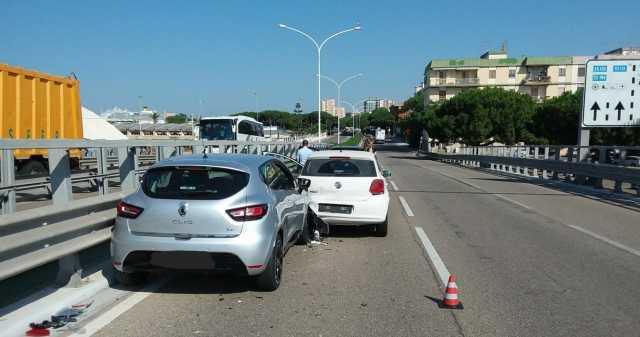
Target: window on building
<point>442,95</point>
<point>512,73</point>
<point>442,74</point>
<point>492,74</point>
<point>562,72</point>
<point>581,71</point>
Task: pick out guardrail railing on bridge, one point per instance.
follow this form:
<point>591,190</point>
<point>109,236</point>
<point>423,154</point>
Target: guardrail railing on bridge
<point>602,163</point>
<point>32,238</point>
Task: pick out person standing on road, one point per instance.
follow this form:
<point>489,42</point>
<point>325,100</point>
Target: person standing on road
<point>304,152</point>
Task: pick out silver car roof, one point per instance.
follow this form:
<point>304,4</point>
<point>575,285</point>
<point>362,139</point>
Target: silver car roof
<point>243,162</point>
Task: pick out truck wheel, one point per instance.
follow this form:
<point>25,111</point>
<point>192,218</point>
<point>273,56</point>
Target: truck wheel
<point>33,167</point>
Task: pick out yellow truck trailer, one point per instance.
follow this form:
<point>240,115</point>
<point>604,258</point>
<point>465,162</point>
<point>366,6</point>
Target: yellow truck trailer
<point>35,105</point>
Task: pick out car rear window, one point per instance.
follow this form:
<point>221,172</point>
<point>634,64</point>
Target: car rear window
<point>339,167</point>
<point>193,182</point>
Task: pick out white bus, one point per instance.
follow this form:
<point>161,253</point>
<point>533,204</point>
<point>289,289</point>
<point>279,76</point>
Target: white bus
<point>241,128</point>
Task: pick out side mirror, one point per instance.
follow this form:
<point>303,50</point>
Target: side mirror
<point>303,184</point>
<point>386,173</point>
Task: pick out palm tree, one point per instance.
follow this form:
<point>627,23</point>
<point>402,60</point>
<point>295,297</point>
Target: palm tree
<point>154,117</point>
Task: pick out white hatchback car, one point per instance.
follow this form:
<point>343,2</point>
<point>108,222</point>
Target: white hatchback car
<point>347,188</point>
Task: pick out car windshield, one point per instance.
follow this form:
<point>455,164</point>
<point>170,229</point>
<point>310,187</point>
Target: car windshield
<point>193,182</point>
<point>339,167</point>
<point>217,129</point>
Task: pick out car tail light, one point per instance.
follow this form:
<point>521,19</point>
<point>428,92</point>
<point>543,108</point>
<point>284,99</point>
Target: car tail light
<point>128,211</point>
<point>248,213</point>
<point>377,187</point>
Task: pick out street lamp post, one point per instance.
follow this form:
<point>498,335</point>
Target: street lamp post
<point>339,86</point>
<point>319,50</point>
<point>353,115</point>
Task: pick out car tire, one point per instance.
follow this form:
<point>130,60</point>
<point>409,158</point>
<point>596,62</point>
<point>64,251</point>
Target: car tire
<point>129,279</point>
<point>305,236</point>
<point>270,278</point>
<point>381,228</point>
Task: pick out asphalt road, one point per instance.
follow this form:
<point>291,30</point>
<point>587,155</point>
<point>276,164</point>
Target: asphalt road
<point>530,261</point>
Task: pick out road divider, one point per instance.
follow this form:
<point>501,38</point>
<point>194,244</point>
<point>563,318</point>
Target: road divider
<point>393,184</point>
<point>405,205</point>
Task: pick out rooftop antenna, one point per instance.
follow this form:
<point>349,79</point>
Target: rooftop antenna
<point>504,46</point>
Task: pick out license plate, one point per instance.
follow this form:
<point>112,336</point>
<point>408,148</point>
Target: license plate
<point>333,208</point>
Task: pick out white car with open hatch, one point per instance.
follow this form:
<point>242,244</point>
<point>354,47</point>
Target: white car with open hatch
<point>348,187</point>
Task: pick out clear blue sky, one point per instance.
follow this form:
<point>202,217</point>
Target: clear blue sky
<point>175,53</point>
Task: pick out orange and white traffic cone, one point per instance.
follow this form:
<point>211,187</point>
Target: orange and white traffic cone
<point>451,300</point>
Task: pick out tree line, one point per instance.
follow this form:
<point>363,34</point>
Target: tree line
<point>477,116</point>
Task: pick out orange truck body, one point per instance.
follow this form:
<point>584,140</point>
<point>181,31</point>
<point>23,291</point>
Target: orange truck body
<point>35,105</point>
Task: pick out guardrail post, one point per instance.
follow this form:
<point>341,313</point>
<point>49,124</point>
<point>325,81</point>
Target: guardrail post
<point>127,164</point>
<point>69,271</point>
<point>545,173</point>
<point>602,159</point>
<point>536,150</point>
<point>618,186</point>
<point>197,149</point>
<point>103,169</point>
<point>60,175</point>
<point>557,158</point>
<point>8,178</point>
<point>567,176</point>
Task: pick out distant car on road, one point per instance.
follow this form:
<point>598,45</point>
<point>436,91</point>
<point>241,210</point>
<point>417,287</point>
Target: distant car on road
<point>631,161</point>
<point>223,213</point>
<point>381,135</point>
<point>347,188</point>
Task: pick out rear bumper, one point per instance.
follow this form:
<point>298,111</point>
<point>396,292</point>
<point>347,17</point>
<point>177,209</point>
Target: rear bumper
<point>373,211</point>
<point>252,248</point>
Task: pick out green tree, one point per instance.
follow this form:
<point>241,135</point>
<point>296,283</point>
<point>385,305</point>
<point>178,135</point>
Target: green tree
<point>381,117</point>
<point>177,119</point>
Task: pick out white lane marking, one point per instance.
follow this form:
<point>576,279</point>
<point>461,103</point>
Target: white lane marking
<point>395,187</point>
<point>517,203</point>
<point>405,205</point>
<point>497,195</point>
<point>436,261</point>
<point>103,320</point>
<point>580,229</point>
<point>605,239</point>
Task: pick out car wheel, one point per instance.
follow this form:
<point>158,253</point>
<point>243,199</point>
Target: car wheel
<point>307,231</point>
<point>129,279</point>
<point>269,280</point>
<point>381,228</point>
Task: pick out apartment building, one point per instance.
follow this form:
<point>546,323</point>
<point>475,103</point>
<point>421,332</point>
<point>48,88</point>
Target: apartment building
<point>330,107</point>
<point>371,104</point>
<point>539,77</point>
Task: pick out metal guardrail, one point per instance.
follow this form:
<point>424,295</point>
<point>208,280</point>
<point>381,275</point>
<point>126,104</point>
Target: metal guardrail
<point>549,162</point>
<point>58,232</point>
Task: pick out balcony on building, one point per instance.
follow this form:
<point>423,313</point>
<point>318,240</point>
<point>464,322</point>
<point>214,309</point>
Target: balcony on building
<point>454,78</point>
<point>537,76</point>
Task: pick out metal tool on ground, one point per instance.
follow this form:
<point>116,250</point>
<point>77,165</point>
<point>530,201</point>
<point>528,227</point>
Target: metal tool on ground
<point>451,300</point>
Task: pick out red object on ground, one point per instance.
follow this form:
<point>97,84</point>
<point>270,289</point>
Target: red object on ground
<point>37,332</point>
<point>451,300</point>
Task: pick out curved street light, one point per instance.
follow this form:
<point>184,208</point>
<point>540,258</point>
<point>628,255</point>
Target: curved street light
<point>339,86</point>
<point>319,50</point>
<point>353,116</point>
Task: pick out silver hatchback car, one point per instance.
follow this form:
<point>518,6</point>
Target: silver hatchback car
<point>222,213</point>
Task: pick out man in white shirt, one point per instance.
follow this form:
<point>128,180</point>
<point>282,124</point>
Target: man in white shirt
<point>304,152</point>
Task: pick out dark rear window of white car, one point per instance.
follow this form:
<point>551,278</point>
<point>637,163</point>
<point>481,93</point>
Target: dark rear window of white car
<point>193,182</point>
<point>339,167</point>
